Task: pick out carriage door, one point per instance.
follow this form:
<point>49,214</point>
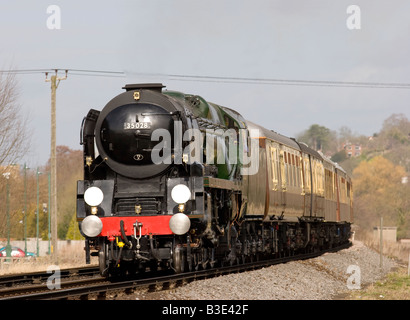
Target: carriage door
<point>318,187</point>
<point>307,184</point>
<point>276,198</point>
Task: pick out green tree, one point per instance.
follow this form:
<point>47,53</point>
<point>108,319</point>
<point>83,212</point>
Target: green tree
<point>339,156</point>
<point>319,138</point>
<point>73,232</point>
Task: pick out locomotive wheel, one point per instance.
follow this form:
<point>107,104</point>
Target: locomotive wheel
<point>178,259</point>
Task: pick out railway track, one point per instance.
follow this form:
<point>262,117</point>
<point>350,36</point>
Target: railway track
<point>8,281</point>
<point>82,288</point>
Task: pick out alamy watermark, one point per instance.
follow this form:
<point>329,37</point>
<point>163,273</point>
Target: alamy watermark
<point>54,281</point>
<point>353,282</point>
<point>222,146</point>
<point>354,20</point>
<point>54,19</point>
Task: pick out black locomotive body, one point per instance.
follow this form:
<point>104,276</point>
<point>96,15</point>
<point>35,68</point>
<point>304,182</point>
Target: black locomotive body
<point>182,183</point>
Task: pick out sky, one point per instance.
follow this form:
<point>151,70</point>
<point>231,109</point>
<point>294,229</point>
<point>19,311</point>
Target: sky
<point>151,41</point>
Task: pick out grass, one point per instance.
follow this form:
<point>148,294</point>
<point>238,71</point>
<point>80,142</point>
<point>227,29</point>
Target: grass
<point>396,286</point>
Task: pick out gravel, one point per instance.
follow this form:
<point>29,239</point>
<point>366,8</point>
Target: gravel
<point>322,278</point>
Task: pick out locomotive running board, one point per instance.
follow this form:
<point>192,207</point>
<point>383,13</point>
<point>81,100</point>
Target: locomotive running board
<point>222,184</point>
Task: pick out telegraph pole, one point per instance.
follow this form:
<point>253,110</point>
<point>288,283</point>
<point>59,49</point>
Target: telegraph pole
<point>25,208</point>
<point>381,243</point>
<point>49,216</point>
<point>8,247</point>
<point>55,81</point>
<point>38,211</point>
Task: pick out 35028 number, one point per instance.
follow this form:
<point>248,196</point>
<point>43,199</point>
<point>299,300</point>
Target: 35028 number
<point>137,125</point>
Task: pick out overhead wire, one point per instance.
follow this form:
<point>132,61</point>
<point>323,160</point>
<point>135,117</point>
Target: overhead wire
<point>288,82</point>
<point>305,84</point>
<point>321,83</point>
<point>220,79</point>
<point>71,71</point>
<point>97,75</point>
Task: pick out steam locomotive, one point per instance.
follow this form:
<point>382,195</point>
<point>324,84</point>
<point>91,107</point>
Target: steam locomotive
<point>174,181</point>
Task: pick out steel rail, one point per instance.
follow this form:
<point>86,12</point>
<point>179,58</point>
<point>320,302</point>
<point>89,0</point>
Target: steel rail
<point>19,291</point>
<point>105,287</point>
<point>37,277</point>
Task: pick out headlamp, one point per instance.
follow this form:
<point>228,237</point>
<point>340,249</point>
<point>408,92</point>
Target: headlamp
<point>93,196</point>
<point>180,193</point>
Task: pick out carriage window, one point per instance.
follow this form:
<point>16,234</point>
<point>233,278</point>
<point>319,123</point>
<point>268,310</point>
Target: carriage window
<point>329,184</point>
<point>307,175</point>
<point>283,172</point>
<point>321,176</point>
<point>343,190</point>
<point>290,176</point>
<point>274,167</point>
<point>300,172</point>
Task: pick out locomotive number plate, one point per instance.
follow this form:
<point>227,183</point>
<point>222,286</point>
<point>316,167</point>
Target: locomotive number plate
<point>137,125</point>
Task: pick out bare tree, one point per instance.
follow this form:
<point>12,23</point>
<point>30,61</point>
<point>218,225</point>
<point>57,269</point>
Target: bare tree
<point>14,138</point>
